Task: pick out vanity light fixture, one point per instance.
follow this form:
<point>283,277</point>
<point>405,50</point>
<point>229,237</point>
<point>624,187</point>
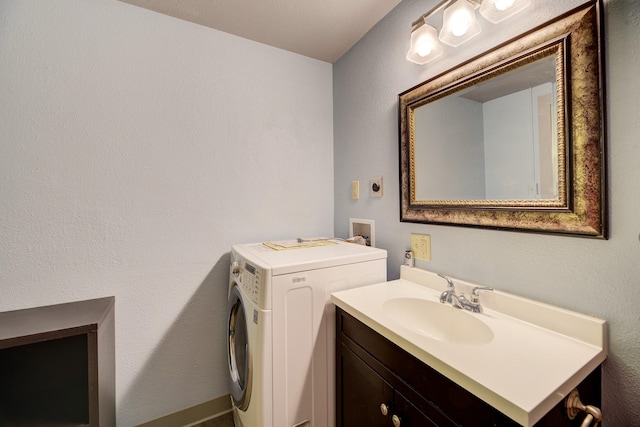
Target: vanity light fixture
<point>459,24</point>
<point>496,11</point>
<point>424,43</point>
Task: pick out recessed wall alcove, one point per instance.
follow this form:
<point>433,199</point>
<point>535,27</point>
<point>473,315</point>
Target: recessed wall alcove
<point>57,365</point>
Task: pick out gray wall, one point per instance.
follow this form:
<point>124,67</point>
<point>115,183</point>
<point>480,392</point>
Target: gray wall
<point>458,123</point>
<point>597,277</point>
<point>135,149</point>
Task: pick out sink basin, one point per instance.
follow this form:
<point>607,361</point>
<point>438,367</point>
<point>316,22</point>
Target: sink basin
<point>438,321</point>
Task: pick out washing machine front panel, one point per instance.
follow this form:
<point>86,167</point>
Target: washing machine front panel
<point>249,347</point>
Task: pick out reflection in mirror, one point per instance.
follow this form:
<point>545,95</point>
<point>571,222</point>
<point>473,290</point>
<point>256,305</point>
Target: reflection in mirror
<point>491,141</point>
<point>514,138</point>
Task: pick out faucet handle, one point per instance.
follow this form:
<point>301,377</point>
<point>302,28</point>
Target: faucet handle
<point>475,292</point>
<point>449,281</point>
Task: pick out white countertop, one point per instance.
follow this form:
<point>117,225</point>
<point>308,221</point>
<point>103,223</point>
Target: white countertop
<point>538,354</point>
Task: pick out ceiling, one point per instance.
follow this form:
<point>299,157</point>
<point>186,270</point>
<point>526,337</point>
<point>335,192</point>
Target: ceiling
<point>320,29</point>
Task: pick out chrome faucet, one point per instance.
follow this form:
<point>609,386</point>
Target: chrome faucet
<point>449,296</point>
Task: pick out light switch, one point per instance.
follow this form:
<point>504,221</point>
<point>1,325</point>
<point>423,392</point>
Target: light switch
<point>355,190</point>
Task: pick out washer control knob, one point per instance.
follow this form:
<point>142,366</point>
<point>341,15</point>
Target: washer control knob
<point>235,268</point>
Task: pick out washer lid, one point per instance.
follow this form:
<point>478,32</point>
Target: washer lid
<point>309,258</point>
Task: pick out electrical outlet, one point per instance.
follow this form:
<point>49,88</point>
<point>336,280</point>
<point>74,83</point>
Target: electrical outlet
<point>421,246</point>
<point>375,185</point>
<point>355,190</point>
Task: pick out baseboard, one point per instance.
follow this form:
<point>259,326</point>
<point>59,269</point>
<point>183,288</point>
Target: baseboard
<point>193,415</point>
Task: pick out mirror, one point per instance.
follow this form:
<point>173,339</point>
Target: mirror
<point>512,139</point>
<point>493,140</point>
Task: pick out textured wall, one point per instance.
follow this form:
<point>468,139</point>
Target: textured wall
<point>597,277</point>
<point>135,149</point>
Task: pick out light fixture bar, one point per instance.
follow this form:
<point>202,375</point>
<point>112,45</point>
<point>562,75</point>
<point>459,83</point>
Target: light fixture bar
<point>459,24</point>
<point>438,7</point>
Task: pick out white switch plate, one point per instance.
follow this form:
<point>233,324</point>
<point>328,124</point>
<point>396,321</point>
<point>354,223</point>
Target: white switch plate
<point>355,190</point>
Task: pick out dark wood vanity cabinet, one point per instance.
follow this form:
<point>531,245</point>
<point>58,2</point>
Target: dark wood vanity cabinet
<point>371,401</point>
<point>373,374</point>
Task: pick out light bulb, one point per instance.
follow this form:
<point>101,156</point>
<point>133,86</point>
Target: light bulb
<point>424,48</point>
<point>496,11</point>
<point>459,24</point>
<point>503,4</point>
<point>424,44</point>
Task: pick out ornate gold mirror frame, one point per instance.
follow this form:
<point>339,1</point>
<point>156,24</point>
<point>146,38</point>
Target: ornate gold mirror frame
<point>575,41</point>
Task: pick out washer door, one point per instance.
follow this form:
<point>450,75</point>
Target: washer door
<point>238,351</point>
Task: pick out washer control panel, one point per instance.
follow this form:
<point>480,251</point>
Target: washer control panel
<point>249,278</point>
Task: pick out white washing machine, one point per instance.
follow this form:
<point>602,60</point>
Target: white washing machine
<point>281,334</point>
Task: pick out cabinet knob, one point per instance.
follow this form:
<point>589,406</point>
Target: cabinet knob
<point>384,409</point>
<point>396,421</point>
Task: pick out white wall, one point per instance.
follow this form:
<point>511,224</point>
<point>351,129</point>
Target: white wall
<point>598,277</point>
<point>135,149</point>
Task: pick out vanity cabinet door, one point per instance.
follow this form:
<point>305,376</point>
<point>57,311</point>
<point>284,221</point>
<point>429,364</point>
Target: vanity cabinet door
<point>361,394</point>
<point>365,399</point>
<point>408,415</point>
